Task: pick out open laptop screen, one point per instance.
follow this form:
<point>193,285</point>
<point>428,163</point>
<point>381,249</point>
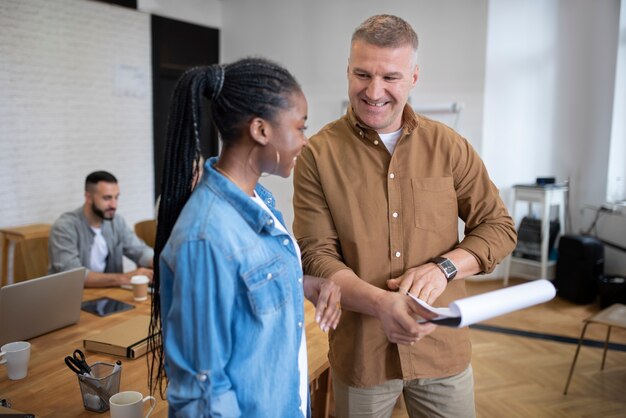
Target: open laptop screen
<point>37,306</point>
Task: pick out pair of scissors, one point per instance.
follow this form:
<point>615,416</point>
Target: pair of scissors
<point>77,363</point>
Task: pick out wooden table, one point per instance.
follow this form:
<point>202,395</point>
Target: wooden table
<point>51,389</point>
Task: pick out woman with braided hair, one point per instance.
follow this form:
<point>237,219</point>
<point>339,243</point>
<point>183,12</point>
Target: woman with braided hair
<point>229,288</point>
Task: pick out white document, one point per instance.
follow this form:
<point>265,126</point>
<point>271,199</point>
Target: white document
<point>468,311</point>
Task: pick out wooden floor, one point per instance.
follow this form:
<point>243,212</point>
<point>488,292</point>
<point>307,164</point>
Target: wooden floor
<point>518,376</point>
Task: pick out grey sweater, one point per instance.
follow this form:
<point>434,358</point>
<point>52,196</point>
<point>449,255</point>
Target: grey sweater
<point>71,239</point>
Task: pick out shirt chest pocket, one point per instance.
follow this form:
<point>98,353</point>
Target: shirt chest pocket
<point>434,203</point>
<point>268,286</point>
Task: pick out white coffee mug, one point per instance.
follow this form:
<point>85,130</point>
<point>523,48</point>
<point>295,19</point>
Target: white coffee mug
<point>130,404</point>
<point>16,356</point>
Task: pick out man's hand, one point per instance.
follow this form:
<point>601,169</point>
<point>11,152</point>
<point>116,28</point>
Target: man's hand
<point>399,316</point>
<point>141,271</point>
<point>326,296</point>
<point>426,282</point>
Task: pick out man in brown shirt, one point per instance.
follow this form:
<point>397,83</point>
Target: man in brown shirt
<point>378,194</point>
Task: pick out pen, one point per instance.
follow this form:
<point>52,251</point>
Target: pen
<point>112,380</point>
<point>117,367</point>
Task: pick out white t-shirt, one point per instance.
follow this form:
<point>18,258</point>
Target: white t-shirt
<point>99,252</point>
<point>391,139</point>
<point>302,355</point>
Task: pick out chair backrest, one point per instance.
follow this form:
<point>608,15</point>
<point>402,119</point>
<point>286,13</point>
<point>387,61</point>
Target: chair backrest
<point>24,252</point>
<point>31,259</point>
<point>146,230</point>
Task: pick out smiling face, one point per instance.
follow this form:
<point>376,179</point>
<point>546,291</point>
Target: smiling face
<point>379,82</point>
<point>288,136</point>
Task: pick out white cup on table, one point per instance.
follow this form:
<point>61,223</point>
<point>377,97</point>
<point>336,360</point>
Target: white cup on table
<point>140,287</point>
<point>130,404</point>
<point>15,356</point>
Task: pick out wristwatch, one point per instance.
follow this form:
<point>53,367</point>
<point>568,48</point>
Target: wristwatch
<point>446,266</point>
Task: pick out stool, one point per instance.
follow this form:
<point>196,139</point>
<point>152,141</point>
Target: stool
<point>10,237</point>
<point>613,316</point>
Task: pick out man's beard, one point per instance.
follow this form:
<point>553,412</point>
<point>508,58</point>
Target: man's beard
<point>100,213</point>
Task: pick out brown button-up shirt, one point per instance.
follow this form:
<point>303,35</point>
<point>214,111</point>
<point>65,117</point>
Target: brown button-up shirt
<point>358,207</point>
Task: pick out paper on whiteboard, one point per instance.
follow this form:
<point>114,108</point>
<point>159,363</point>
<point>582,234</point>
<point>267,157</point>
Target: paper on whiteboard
<point>468,311</point>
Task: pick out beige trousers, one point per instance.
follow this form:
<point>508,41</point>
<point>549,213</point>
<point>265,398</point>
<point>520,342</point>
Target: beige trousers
<point>446,397</point>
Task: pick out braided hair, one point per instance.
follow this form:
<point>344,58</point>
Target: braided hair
<point>238,92</point>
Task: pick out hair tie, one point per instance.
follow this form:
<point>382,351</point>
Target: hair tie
<point>219,83</point>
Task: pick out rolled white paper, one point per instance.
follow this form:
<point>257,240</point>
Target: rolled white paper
<point>468,311</point>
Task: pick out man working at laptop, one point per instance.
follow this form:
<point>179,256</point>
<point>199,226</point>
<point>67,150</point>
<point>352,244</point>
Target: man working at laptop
<point>93,237</point>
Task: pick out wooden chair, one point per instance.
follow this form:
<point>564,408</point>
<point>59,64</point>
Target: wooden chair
<point>146,230</point>
<point>24,252</point>
<point>613,316</point>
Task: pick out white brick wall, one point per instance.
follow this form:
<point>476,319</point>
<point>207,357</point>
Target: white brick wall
<point>62,113</point>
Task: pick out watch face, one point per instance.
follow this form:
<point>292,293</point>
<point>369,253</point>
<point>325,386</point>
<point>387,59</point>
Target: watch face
<point>448,267</point>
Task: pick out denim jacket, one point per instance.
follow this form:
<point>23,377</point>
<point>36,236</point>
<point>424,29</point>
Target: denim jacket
<point>232,307</point>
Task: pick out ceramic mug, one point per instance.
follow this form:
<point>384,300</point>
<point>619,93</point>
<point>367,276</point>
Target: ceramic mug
<point>130,404</point>
<point>16,356</point>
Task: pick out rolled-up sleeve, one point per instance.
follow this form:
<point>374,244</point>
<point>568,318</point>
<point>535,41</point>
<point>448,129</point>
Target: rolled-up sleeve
<point>197,313</point>
<point>489,230</point>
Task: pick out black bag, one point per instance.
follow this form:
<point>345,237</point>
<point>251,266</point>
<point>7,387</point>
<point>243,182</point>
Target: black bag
<point>612,290</point>
<point>529,238</point>
<point>579,267</point>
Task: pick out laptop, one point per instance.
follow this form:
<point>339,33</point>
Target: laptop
<point>37,306</point>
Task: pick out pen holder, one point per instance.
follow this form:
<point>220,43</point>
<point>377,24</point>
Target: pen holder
<point>97,390</point>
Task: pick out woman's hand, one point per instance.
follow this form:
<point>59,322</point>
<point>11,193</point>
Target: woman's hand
<point>326,296</point>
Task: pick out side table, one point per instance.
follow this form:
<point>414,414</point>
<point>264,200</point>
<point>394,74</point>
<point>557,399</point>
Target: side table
<point>547,196</point>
